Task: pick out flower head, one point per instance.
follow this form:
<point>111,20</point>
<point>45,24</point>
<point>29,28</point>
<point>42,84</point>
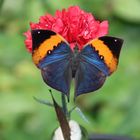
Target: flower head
<point>75,25</point>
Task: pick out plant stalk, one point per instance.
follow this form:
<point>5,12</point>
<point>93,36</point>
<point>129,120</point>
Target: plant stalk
<point>64,105</point>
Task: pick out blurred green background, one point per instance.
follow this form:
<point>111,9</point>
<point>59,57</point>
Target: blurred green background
<point>114,109</point>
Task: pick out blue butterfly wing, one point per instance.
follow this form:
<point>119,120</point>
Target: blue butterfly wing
<point>56,69</point>
<point>52,56</point>
<point>89,76</point>
<point>97,60</point>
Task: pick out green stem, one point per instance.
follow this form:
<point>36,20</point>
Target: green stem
<point>64,105</point>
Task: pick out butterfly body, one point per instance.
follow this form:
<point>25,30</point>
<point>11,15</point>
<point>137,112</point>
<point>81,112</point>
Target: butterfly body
<point>59,63</point>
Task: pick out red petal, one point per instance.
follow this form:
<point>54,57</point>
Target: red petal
<point>75,25</point>
<point>103,29</point>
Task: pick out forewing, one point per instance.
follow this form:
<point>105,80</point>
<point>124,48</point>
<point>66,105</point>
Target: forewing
<point>52,55</point>
<point>108,49</point>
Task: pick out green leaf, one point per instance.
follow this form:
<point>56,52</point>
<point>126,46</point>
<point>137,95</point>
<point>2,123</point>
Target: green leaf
<point>78,110</point>
<point>44,102</point>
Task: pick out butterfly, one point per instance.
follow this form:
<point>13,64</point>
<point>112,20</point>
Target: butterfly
<point>59,64</point>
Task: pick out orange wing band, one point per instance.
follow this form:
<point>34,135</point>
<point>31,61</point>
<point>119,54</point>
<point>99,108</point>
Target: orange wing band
<point>104,50</point>
<point>48,44</point>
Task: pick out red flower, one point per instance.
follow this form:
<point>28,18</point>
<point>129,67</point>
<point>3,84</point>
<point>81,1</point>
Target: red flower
<point>75,25</point>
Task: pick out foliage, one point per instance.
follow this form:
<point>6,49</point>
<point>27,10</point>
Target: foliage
<point>114,109</point>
